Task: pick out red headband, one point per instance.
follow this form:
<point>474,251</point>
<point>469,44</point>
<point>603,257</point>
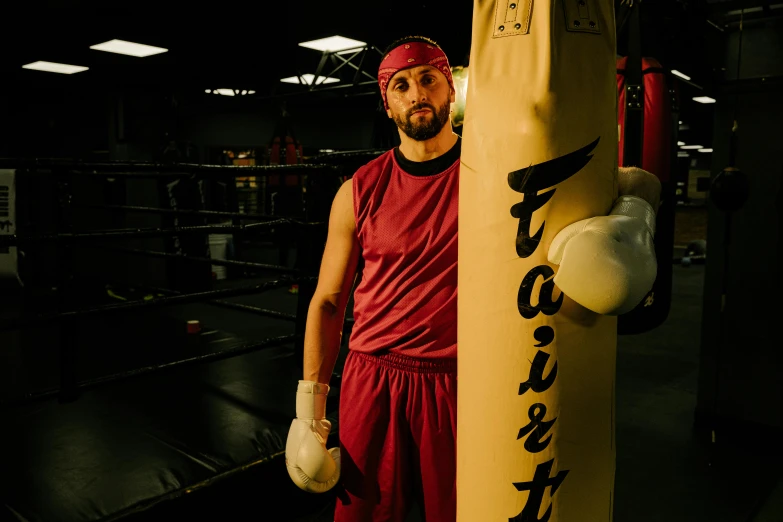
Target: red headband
<point>411,54</point>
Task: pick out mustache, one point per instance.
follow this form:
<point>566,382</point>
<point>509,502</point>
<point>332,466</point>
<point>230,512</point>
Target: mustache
<point>421,106</point>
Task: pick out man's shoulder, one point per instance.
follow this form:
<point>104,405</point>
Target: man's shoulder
<point>375,166</point>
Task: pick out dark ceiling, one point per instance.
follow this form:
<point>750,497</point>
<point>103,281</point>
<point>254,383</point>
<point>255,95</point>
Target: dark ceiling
<point>246,45</point>
<point>218,44</point>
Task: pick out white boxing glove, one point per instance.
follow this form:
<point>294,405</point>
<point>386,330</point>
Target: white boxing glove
<point>310,465</point>
<point>607,263</point>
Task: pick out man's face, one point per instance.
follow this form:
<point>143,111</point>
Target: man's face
<point>420,101</point>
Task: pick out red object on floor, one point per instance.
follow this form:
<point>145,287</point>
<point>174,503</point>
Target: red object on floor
<point>194,327</point>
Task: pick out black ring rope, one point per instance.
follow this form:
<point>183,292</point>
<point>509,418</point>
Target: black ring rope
<point>16,240</point>
<point>26,322</point>
<point>208,260</point>
<point>146,370</point>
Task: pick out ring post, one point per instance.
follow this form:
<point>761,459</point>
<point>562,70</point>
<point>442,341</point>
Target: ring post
<point>68,327</point>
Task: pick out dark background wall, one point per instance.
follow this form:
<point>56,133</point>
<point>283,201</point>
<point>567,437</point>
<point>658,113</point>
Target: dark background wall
<point>136,124</point>
<point>742,364</point>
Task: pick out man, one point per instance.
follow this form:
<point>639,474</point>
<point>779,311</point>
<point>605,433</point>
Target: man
<point>395,225</point>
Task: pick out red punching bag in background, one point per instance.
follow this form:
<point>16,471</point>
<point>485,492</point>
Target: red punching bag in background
<point>284,194</point>
<point>654,126</point>
<point>657,133</point>
<point>274,151</point>
<point>285,149</point>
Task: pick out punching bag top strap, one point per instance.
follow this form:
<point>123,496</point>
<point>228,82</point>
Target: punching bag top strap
<point>634,92</point>
<point>633,66</point>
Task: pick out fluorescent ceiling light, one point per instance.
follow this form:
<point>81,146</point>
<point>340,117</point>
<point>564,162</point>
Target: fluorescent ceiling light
<point>704,99</point>
<point>678,73</point>
<point>61,68</point>
<point>705,150</point>
<point>333,44</point>
<point>308,79</point>
<point>129,48</point>
<point>683,155</point>
<point>229,92</point>
<point>692,147</point>
<point>680,143</point>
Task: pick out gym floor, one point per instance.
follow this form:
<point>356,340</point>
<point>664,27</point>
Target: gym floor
<point>663,474</point>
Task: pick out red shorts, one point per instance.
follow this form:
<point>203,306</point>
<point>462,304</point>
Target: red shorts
<point>398,426</point>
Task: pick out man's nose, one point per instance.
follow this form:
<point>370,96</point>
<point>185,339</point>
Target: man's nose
<point>416,94</point>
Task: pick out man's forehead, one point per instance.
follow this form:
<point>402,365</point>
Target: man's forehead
<point>413,71</point>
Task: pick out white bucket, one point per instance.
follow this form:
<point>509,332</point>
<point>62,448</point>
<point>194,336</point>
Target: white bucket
<point>218,244</point>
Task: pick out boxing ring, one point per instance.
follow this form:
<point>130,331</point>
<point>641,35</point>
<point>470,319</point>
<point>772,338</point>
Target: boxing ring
<point>118,391</point>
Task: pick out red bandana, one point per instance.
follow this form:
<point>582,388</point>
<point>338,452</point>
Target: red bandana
<point>411,54</point>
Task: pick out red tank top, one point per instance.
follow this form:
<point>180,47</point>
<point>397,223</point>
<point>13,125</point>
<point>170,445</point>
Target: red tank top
<point>406,300</point>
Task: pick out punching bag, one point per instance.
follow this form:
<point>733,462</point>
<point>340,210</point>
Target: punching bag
<point>535,419</point>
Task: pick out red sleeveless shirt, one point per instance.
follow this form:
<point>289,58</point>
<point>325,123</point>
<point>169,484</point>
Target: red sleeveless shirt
<point>406,299</point>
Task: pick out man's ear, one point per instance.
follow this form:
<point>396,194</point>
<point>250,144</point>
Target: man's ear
<point>388,113</point>
<point>453,95</point>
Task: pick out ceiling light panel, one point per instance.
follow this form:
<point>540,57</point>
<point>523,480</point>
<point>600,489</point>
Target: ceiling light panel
<point>229,92</point>
<point>128,48</point>
<point>53,67</point>
<point>333,44</point>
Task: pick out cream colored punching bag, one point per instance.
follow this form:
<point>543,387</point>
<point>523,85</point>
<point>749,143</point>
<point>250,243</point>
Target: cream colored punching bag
<point>535,423</point>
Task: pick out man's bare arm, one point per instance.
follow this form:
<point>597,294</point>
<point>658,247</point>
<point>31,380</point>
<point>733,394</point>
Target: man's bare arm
<point>325,317</point>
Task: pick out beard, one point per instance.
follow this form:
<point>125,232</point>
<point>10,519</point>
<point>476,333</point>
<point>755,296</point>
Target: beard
<point>423,129</point>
